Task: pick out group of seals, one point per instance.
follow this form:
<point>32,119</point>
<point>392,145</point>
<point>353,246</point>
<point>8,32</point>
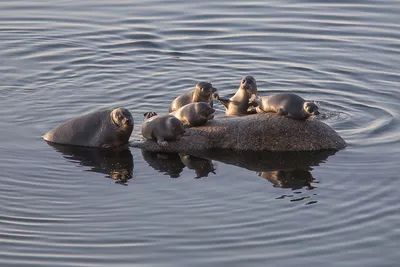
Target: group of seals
<point>188,110</point>
<point>195,108</point>
<point>112,128</point>
<point>103,129</point>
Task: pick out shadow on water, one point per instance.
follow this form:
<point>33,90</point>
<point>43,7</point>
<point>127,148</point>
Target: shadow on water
<point>117,164</point>
<point>282,169</point>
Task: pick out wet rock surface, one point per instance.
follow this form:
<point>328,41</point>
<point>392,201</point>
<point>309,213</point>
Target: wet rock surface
<point>257,132</point>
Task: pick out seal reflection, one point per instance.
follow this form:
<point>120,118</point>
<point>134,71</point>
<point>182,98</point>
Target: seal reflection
<point>172,164</point>
<point>282,169</point>
<point>116,164</point>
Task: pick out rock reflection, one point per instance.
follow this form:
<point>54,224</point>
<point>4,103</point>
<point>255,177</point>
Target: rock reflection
<point>282,169</point>
<point>117,164</point>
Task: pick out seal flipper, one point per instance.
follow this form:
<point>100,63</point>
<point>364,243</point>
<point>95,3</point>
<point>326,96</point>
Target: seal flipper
<point>252,110</point>
<point>162,142</point>
<point>149,114</point>
<point>223,101</point>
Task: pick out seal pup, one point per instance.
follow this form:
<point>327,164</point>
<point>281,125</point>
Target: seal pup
<point>194,114</point>
<point>239,103</point>
<point>286,104</point>
<point>162,128</point>
<point>203,92</point>
<point>103,129</point>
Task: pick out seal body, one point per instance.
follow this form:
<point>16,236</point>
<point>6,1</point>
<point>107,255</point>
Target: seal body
<point>203,92</point>
<point>103,129</point>
<point>286,104</point>
<point>162,128</point>
<point>194,114</point>
<point>239,103</point>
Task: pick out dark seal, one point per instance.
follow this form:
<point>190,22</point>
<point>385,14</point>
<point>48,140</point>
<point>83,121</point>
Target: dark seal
<point>103,129</point>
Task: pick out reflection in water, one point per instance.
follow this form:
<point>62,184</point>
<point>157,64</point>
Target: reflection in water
<point>282,169</point>
<point>117,164</point>
<point>267,160</point>
<point>201,166</point>
<point>294,179</point>
<point>167,163</point>
<point>173,164</point>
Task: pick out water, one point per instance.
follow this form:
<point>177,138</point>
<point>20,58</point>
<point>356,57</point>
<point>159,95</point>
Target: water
<point>60,59</point>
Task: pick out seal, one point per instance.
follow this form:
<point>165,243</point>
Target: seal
<point>286,104</point>
<point>162,128</point>
<point>203,92</point>
<point>194,114</point>
<point>239,103</point>
<point>103,129</point>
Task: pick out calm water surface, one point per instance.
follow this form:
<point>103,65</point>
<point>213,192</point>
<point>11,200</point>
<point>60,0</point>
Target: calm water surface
<point>69,207</point>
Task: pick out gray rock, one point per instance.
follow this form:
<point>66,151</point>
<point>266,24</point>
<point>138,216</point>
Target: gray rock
<point>257,132</point>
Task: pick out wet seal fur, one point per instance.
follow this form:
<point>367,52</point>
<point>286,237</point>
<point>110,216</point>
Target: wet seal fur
<point>239,103</point>
<point>162,128</point>
<point>286,104</point>
<point>203,92</point>
<point>255,132</point>
<point>102,129</point>
<point>194,114</point>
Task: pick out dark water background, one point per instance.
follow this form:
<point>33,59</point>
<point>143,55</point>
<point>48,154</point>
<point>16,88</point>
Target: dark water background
<point>59,207</point>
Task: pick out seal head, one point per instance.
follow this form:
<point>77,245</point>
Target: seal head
<point>310,108</point>
<point>249,84</point>
<point>122,118</point>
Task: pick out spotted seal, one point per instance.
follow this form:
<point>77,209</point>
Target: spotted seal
<point>194,114</point>
<point>103,129</point>
<point>239,103</point>
<point>286,104</point>
<point>203,92</point>
<point>162,128</point>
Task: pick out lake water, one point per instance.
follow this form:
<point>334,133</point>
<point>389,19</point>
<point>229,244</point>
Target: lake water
<point>66,207</point>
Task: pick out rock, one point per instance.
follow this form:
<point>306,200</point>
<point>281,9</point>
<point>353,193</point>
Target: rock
<point>257,132</point>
